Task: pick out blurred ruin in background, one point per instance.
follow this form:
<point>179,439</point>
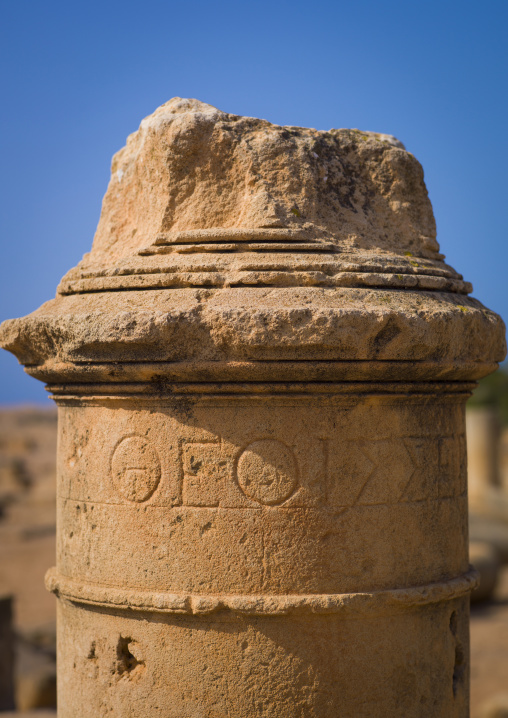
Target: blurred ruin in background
<point>487,448</point>
<point>27,550</point>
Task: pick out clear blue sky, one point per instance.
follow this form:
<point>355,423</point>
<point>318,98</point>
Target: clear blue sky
<point>78,77</point>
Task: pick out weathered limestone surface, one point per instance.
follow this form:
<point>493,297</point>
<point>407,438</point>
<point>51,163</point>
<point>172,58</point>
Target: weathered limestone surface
<point>261,369</point>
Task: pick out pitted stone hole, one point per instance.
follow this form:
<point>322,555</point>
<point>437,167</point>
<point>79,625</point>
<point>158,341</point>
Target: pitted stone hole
<point>205,528</point>
<point>126,662</point>
<point>195,464</point>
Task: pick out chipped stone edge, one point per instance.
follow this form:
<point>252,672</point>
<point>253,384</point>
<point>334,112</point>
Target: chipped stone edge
<point>258,605</point>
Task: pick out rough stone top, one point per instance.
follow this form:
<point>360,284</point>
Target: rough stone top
<point>229,248</point>
<point>193,167</point>
<point>199,197</point>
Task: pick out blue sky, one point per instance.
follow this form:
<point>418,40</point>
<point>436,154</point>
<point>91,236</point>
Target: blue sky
<point>78,77</point>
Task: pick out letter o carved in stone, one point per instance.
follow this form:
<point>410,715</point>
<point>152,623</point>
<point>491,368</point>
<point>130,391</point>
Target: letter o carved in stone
<point>267,472</point>
<point>136,468</point>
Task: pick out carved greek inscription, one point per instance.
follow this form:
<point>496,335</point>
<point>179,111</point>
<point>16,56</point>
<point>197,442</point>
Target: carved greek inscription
<point>389,471</point>
<point>423,483</point>
<point>348,472</point>
<point>392,469</point>
<point>135,468</point>
<point>205,473</point>
<point>452,466</point>
<point>267,472</point>
<point>213,472</point>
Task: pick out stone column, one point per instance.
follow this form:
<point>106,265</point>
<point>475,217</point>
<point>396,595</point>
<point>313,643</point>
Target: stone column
<point>261,370</point>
